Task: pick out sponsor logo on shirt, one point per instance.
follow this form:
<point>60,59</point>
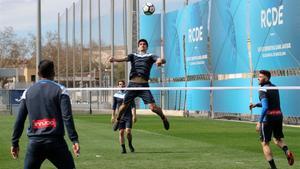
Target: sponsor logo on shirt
<point>44,123</point>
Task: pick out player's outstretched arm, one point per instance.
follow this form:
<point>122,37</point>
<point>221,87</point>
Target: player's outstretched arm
<point>123,59</point>
<point>251,106</point>
<point>258,104</point>
<point>160,61</point>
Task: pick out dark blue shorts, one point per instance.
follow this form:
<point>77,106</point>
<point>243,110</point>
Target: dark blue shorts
<point>56,152</point>
<point>125,123</point>
<point>146,95</point>
<point>271,127</point>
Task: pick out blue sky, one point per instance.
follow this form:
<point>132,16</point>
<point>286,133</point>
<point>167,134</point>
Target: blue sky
<point>21,14</point>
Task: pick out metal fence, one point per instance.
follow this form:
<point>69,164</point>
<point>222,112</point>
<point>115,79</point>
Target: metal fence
<point>9,101</point>
<point>87,39</point>
<point>82,101</point>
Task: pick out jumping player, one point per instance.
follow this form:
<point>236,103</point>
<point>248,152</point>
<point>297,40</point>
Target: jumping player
<point>270,121</point>
<point>141,64</point>
<point>48,107</point>
<point>127,119</point>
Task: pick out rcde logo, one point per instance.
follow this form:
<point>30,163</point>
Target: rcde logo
<point>196,34</point>
<point>271,17</point>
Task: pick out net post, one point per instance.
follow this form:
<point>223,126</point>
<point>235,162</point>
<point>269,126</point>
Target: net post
<point>90,101</point>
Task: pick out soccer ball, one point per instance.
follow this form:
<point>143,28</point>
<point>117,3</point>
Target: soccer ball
<point>149,8</point>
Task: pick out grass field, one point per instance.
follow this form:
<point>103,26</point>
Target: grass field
<point>190,143</point>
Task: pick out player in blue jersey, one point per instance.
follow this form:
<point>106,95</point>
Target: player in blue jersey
<point>141,64</point>
<point>47,105</point>
<point>126,120</point>
<point>270,121</point>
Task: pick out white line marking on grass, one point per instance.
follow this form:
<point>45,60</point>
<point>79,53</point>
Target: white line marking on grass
<point>254,122</point>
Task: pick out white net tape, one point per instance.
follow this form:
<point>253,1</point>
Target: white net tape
<point>189,88</point>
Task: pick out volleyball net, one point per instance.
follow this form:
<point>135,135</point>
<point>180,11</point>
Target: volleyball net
<point>230,102</point>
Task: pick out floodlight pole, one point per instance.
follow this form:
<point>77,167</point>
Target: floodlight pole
<point>137,9</point>
<point>130,33</point>
<point>58,47</point>
<point>67,48</point>
<point>112,41</point>
<point>73,49</point>
<point>186,2</point>
<point>100,55</point>
<point>91,46</point>
<point>81,43</point>
<point>250,56</point>
<point>38,39</point>
<point>163,76</point>
<point>90,53</point>
<point>125,37</point>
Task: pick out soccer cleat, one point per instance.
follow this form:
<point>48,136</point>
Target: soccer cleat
<point>116,126</point>
<point>131,148</point>
<point>166,123</point>
<point>290,158</point>
<point>123,151</point>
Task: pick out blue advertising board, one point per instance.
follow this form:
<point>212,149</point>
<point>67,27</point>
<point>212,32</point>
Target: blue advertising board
<point>191,22</point>
<point>228,37</point>
<point>275,34</point>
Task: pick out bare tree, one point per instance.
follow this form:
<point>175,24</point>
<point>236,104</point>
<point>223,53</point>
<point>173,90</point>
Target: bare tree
<point>12,48</point>
<point>13,51</point>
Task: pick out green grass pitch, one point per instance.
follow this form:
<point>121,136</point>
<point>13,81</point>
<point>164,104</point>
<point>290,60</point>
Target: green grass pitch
<point>190,143</point>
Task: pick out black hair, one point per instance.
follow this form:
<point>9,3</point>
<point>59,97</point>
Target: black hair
<point>266,73</point>
<point>143,40</point>
<point>46,69</point>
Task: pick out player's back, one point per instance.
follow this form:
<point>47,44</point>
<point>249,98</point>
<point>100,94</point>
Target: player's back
<point>44,111</point>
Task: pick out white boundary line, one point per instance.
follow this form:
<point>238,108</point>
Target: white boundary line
<point>254,122</point>
<point>188,88</point>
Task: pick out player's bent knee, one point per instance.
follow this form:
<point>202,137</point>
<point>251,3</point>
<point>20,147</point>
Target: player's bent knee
<point>152,107</point>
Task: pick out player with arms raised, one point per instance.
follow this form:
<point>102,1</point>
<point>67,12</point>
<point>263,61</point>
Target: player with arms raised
<point>141,64</point>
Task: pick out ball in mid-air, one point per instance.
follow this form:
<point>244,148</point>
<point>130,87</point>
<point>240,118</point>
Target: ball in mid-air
<point>149,8</point>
